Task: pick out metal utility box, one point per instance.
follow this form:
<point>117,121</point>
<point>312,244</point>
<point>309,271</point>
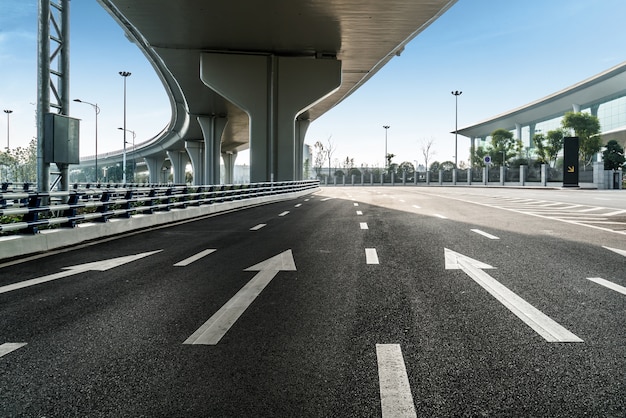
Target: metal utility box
<point>61,138</point>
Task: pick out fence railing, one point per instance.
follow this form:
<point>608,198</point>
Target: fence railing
<point>27,212</point>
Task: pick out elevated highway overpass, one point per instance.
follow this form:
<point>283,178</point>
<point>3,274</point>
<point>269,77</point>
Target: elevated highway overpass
<point>253,75</point>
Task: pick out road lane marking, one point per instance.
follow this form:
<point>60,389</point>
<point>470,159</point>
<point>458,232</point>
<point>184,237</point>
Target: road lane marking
<point>298,205</point>
<point>256,228</point>
<point>484,234</point>
<point>610,285</point>
<point>284,213</point>
<point>7,348</point>
<point>212,331</point>
<point>103,265</point>
<point>359,213</point>
<point>440,216</point>
<point>371,256</point>
<point>328,198</point>
<point>356,204</point>
<point>363,225</point>
<point>417,207</point>
<point>396,399</point>
<point>193,258</point>
<point>542,324</point>
<point>615,250</point>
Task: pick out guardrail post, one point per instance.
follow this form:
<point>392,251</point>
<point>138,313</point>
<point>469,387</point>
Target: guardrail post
<point>150,202</point>
<point>70,213</point>
<point>32,217</point>
<point>104,209</point>
<point>127,206</point>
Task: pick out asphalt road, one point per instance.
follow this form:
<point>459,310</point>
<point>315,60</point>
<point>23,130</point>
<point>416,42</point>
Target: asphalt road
<point>353,310</point>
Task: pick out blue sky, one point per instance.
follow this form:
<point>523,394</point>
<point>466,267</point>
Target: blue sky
<point>500,54</point>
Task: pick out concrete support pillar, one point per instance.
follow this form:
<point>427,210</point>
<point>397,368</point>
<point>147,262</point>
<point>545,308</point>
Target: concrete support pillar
<point>485,175</point>
<point>212,130</point>
<point>229,166</point>
<point>194,149</point>
<point>575,107</point>
<point>301,126</point>
<point>273,91</point>
<point>544,174</point>
<point>154,168</point>
<point>179,162</point>
<point>469,176</point>
<point>454,176</point>
<point>522,175</point>
<point>518,131</point>
<point>502,175</point>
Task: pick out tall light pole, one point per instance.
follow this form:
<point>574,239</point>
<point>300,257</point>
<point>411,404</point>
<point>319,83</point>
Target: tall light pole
<point>8,112</point>
<point>97,110</point>
<point>125,75</point>
<point>386,128</point>
<point>134,135</point>
<point>456,94</point>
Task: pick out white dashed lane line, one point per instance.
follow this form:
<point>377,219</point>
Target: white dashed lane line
<point>7,348</point>
<point>396,399</point>
<point>484,234</point>
<point>358,212</point>
<point>363,225</point>
<point>256,228</point>
<point>371,256</point>
<point>193,258</point>
<point>284,213</point>
<point>608,284</point>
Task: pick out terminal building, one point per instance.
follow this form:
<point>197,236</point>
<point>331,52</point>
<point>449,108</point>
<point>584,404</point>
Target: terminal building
<point>603,95</point>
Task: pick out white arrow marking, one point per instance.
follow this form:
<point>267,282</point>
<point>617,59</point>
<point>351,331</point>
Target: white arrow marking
<point>6,348</point>
<point>395,391</point>
<point>72,270</point>
<point>615,250</point>
<point>610,285</point>
<point>212,331</point>
<point>193,258</point>
<point>550,330</point>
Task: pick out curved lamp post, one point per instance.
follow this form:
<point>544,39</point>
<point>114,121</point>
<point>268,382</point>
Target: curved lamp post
<point>97,110</point>
<point>125,75</point>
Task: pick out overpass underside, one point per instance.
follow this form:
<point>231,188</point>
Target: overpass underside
<point>253,75</point>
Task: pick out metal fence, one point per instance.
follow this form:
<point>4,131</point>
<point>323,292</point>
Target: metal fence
<point>27,212</point>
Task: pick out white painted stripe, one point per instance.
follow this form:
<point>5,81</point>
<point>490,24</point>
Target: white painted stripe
<point>6,348</point>
<point>617,212</point>
<point>212,331</point>
<point>306,200</point>
<point>545,326</point>
<point>358,212</point>
<point>440,216</point>
<point>589,210</point>
<point>356,204</point>
<point>256,228</point>
<point>193,258</point>
<point>395,391</point>
<point>610,285</point>
<point>298,205</point>
<point>363,225</point>
<point>328,198</point>
<point>417,207</point>
<point>371,256</point>
<point>284,213</point>
<point>484,234</point>
<point>616,250</point>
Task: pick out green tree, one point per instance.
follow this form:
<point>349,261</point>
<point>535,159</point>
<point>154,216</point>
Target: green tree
<point>587,128</point>
<point>549,146</point>
<point>478,159</point>
<point>613,156</point>
<point>503,145</point>
<point>406,167</point>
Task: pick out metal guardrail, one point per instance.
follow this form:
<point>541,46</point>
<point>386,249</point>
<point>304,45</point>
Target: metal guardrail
<point>29,211</point>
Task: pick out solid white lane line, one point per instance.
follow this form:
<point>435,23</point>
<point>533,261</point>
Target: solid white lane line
<point>616,250</point>
<point>610,285</point>
<point>484,234</point>
<point>256,228</point>
<point>440,216</point>
<point>6,348</point>
<point>298,205</point>
<point>193,258</point>
<point>371,256</point>
<point>358,212</point>
<point>284,213</point>
<point>364,225</point>
<point>396,399</point>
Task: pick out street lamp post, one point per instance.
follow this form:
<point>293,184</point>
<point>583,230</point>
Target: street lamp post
<point>125,75</point>
<point>134,135</point>
<point>97,110</point>
<point>456,94</point>
<point>8,112</point>
<point>386,128</point>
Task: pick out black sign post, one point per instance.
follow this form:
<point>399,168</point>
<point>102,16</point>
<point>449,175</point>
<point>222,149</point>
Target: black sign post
<point>571,144</point>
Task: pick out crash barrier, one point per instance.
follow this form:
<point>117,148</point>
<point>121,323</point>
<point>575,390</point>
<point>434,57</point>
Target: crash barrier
<point>27,212</point>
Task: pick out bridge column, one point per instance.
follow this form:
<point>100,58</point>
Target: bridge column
<point>154,168</point>
<point>179,161</point>
<point>194,149</point>
<point>302,125</point>
<point>212,129</point>
<point>229,166</point>
<point>273,91</point>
